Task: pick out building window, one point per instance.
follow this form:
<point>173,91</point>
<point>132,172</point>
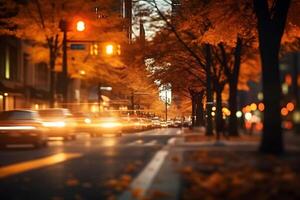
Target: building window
<point>7,63</point>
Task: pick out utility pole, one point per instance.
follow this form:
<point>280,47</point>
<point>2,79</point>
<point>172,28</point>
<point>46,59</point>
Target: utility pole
<point>64,26</point>
<point>99,97</point>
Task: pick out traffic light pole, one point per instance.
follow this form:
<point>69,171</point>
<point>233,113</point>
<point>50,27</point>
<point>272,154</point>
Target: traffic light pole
<point>65,68</point>
<point>99,97</point>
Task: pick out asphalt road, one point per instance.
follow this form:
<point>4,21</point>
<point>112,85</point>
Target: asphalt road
<point>86,168</point>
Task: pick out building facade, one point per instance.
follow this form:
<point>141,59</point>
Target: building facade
<point>23,83</point>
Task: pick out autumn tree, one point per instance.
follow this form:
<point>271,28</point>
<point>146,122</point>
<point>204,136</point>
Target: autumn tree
<point>189,81</point>
<point>43,17</point>
<point>271,23</point>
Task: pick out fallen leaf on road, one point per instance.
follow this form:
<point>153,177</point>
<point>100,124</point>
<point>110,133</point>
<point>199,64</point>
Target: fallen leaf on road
<point>72,182</point>
<point>136,193</point>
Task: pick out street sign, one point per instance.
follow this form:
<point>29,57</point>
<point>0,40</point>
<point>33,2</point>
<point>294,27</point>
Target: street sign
<point>78,46</point>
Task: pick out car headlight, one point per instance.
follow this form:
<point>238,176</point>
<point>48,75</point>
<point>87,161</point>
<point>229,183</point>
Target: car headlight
<point>54,124</point>
<point>17,128</point>
<point>87,120</point>
<point>110,125</point>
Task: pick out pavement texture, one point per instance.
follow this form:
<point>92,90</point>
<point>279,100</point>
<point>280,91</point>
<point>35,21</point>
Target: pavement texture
<point>167,164</point>
<point>88,168</point>
<point>200,168</point>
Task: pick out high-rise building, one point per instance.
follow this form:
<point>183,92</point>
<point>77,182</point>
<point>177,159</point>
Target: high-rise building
<point>123,7</point>
<point>175,6</point>
<point>23,83</point>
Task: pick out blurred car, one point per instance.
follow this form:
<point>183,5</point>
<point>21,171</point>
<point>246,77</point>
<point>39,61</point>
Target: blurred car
<point>146,123</point>
<point>21,127</point>
<point>59,123</point>
<point>108,123</point>
<point>84,123</point>
<point>163,124</point>
<point>156,122</point>
<point>129,124</point>
<point>170,123</point>
<point>135,124</point>
<point>187,123</point>
<point>177,123</point>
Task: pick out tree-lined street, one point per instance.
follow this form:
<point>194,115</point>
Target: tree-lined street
<point>149,99</point>
<point>89,174</point>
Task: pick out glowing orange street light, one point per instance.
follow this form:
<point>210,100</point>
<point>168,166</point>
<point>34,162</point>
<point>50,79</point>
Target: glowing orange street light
<point>80,26</point>
<point>284,112</point>
<point>253,107</point>
<point>290,106</point>
<point>261,107</point>
<point>109,49</point>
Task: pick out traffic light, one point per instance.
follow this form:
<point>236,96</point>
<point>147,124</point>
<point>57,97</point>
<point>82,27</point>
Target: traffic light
<point>112,49</point>
<point>80,26</point>
<point>94,49</point>
<point>109,49</point>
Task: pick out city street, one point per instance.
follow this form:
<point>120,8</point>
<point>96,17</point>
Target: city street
<point>79,169</point>
<point>149,99</point>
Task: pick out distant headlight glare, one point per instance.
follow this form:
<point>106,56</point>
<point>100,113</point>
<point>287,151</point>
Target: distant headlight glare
<point>110,125</point>
<point>54,124</point>
<point>17,128</point>
<point>87,120</point>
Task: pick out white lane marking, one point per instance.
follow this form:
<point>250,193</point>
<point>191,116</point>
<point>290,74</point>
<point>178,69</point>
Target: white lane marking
<point>151,143</point>
<point>171,141</point>
<point>18,168</point>
<point>136,142</point>
<point>146,177</point>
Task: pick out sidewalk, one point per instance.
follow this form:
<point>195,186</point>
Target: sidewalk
<point>197,167</point>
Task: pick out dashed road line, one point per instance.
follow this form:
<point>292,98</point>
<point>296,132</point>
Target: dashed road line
<point>144,180</point>
<point>151,143</point>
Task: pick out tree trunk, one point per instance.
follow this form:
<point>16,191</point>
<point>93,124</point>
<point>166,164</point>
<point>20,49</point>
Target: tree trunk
<point>199,109</point>
<point>296,90</point>
<point>209,96</point>
<point>233,84</point>
<point>272,136</point>
<point>270,29</point>
<point>193,109</point>
<point>219,113</point>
